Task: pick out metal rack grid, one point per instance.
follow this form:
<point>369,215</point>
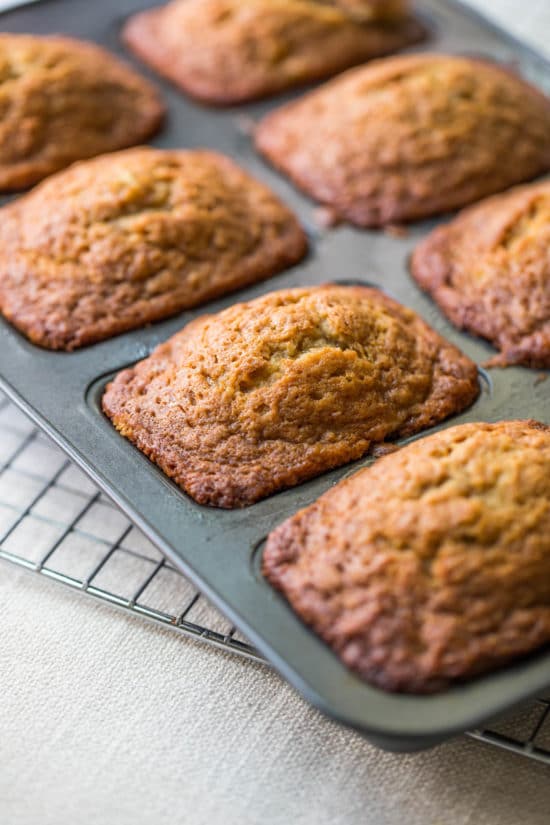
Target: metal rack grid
<point>55,523</point>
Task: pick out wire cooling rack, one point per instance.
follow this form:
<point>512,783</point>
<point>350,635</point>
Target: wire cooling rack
<point>55,523</point>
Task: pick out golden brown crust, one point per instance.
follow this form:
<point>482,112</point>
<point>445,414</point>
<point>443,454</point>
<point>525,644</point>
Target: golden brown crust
<point>372,10</point>
<point>64,100</point>
<point>432,565</point>
<point>272,392</point>
<point>230,51</point>
<point>408,137</point>
<point>132,237</point>
<point>489,271</point>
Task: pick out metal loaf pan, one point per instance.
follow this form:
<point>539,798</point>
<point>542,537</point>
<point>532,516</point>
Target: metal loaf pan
<point>220,550</point>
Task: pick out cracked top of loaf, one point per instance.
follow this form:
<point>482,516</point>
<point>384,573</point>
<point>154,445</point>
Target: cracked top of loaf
<point>431,565</point>
<point>230,51</point>
<point>116,242</point>
<point>63,100</point>
<point>408,137</point>
<point>489,271</point>
<point>272,392</point>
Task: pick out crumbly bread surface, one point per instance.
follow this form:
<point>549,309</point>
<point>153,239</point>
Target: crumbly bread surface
<point>432,565</point>
<point>132,237</point>
<point>272,392</point>
<point>64,100</point>
<point>489,271</point>
<point>408,137</point>
<point>231,51</point>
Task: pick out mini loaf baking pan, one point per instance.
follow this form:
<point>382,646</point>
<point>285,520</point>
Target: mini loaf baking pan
<point>220,551</point>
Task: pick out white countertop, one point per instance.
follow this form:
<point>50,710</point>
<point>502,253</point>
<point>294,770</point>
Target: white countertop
<point>107,719</point>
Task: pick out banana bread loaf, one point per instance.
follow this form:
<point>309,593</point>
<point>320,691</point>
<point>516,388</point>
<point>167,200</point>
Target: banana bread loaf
<point>63,100</point>
<point>408,137</point>
<point>432,565</point>
<point>131,237</point>
<point>230,51</point>
<point>489,271</point>
<point>272,392</point>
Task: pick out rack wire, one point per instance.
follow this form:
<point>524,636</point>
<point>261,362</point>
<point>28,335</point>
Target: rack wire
<point>55,523</point>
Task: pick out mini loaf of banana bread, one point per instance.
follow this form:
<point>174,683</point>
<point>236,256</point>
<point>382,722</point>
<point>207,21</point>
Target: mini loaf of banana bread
<point>132,237</point>
<point>408,137</point>
<point>432,565</point>
<point>230,51</point>
<point>489,271</point>
<point>63,100</point>
<point>269,393</point>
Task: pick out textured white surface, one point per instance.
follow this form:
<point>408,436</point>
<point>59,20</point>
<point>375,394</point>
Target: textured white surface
<point>105,719</point>
<point>528,20</point>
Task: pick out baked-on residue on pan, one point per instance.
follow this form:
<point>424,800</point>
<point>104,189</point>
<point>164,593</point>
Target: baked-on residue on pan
<point>269,393</point>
